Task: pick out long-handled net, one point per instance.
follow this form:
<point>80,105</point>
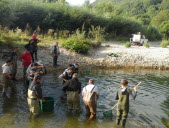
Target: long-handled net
<point>109,113</point>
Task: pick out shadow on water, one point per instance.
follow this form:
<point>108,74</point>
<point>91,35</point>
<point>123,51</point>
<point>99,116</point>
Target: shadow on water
<point>149,110</point>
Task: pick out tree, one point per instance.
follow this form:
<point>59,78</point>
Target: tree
<point>164,28</point>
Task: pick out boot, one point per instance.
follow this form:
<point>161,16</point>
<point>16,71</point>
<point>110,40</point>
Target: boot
<point>118,121</point>
<point>123,123</point>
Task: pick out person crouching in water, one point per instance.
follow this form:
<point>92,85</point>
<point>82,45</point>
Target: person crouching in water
<point>34,95</point>
<point>123,102</point>
<point>72,88</point>
<point>90,95</point>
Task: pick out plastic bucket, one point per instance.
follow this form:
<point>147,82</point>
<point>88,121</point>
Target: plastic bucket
<point>48,105</point>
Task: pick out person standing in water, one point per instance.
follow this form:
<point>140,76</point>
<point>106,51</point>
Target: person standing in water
<point>122,96</point>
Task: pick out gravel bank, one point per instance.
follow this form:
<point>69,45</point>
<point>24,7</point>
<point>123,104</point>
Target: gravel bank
<point>135,57</point>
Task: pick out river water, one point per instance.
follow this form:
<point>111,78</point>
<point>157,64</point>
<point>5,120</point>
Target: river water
<point>149,110</point>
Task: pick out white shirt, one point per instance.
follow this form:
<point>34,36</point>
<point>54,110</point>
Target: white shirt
<point>6,69</point>
<point>89,87</point>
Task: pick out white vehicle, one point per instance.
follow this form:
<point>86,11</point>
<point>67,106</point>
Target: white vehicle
<point>138,39</point>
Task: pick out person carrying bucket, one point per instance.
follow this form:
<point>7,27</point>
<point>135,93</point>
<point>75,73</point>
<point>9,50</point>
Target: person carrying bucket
<point>122,96</point>
<point>90,95</point>
<point>34,95</point>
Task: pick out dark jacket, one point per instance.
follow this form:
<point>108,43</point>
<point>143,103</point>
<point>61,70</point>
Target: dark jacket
<point>72,85</point>
<point>36,87</point>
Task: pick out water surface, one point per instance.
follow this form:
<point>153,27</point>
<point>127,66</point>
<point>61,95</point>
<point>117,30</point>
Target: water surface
<point>149,110</point>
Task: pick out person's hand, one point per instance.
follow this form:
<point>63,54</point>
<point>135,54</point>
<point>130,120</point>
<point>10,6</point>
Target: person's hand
<point>43,100</point>
<point>135,89</point>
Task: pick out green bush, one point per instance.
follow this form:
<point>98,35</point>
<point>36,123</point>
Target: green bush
<point>147,45</point>
<point>128,44</point>
<point>79,46</point>
<point>164,43</point>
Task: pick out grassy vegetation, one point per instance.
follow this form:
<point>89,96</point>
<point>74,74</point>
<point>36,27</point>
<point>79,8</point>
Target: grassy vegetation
<point>127,44</point>
<point>147,45</point>
<point>164,43</point>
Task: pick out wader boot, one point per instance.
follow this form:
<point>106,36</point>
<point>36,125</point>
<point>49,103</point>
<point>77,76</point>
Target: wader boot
<point>123,123</point>
<point>118,121</point>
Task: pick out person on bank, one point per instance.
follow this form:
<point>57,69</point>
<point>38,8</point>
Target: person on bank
<point>7,77</point>
<point>34,95</point>
<point>56,53</point>
<point>90,95</point>
<point>35,42</point>
<point>67,75</point>
<point>123,102</point>
<point>30,48</point>
<point>26,59</point>
<point>72,88</point>
<point>14,58</point>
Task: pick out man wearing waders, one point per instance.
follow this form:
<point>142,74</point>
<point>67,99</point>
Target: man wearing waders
<point>34,95</point>
<point>72,88</point>
<point>7,77</point>
<point>55,53</point>
<point>14,58</point>
<point>90,96</point>
<point>123,102</point>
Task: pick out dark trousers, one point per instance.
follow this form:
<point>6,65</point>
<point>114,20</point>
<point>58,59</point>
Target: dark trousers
<point>34,53</point>
<point>55,59</point>
<point>121,115</point>
<point>8,83</point>
<point>24,72</point>
<point>32,56</point>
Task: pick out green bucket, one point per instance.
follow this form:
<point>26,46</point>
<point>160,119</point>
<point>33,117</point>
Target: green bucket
<point>48,105</point>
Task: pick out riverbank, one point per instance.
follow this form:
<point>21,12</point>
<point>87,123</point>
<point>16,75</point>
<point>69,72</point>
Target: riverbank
<point>135,57</point>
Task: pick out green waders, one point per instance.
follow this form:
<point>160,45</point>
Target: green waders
<point>73,100</point>
<point>33,103</point>
<point>122,107</point>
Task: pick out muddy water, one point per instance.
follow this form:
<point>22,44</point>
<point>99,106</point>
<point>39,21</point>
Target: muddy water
<point>149,110</point>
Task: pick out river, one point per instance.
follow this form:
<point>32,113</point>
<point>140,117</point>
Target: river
<point>149,110</point>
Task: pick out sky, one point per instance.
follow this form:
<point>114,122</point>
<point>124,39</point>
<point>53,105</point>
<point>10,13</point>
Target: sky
<point>77,2</point>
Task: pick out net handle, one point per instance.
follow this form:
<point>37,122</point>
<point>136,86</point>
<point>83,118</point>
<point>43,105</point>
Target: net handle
<point>137,85</point>
<point>114,106</point>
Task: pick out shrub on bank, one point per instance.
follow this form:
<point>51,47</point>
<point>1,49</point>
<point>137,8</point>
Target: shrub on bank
<point>128,44</point>
<point>79,46</point>
<point>164,43</point>
<point>147,45</point>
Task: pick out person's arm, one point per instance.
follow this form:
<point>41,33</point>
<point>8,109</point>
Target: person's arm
<point>65,86</point>
<point>62,76</point>
<point>7,75</point>
<point>80,87</point>
<point>39,93</point>
<point>133,93</point>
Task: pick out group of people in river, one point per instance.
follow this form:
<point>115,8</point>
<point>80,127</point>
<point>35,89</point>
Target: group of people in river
<point>32,75</point>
